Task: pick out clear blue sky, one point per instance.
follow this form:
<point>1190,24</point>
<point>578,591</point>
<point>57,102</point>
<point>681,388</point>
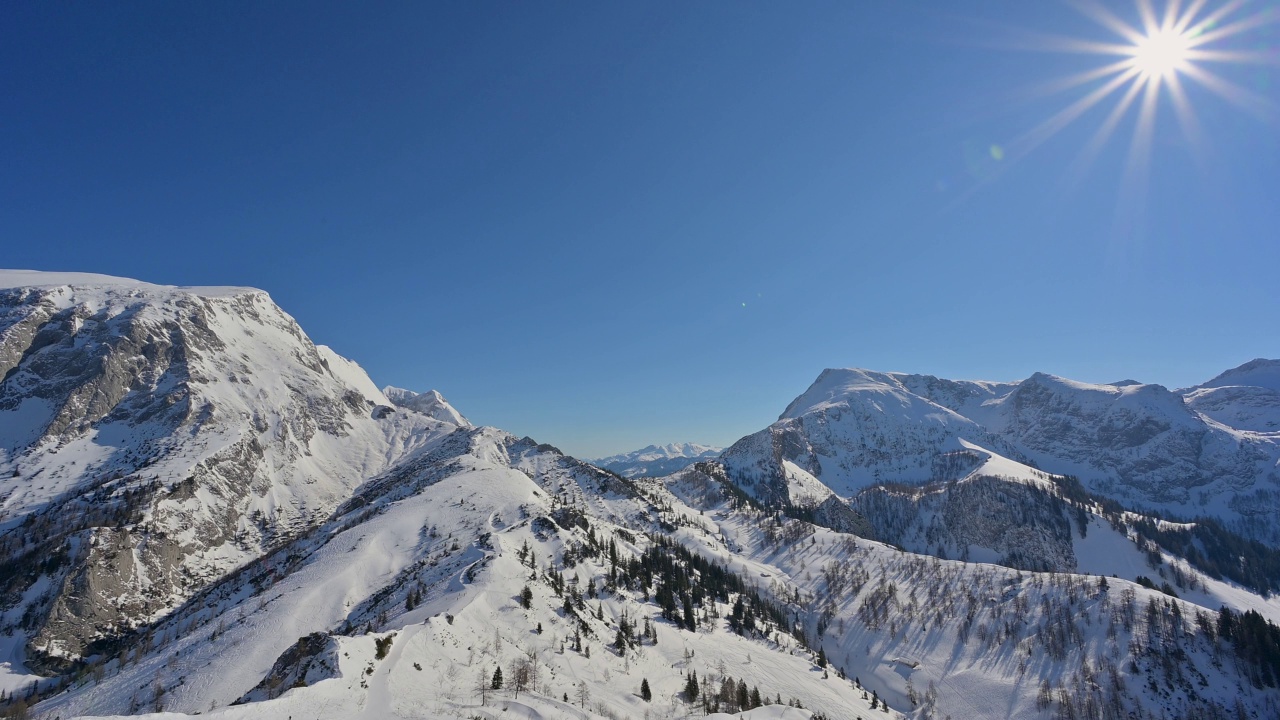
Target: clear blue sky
<point>611,224</point>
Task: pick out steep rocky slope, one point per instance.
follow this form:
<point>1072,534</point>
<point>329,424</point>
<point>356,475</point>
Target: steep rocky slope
<point>495,552</point>
<point>1148,447</point>
<point>207,513</point>
<point>153,438</point>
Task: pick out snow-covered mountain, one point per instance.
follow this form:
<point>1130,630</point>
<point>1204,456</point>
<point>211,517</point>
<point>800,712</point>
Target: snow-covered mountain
<point>153,438</point>
<point>933,637</point>
<point>486,552</point>
<point>657,460</point>
<point>1170,452</point>
<point>206,513</point>
<point>430,403</point>
<point>1245,398</point>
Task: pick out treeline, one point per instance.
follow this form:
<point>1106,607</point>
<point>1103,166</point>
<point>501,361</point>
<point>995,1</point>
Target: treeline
<point>732,696</point>
<point>1217,552</point>
<point>1207,544</point>
<point>683,584</point>
<point>693,578</point>
<point>687,588</point>
<point>1257,643</point>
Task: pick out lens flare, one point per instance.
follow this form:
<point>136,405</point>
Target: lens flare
<point>1150,63</point>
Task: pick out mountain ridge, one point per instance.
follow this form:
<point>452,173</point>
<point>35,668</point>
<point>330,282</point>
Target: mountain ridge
<point>152,438</point>
<point>657,460</point>
<point>228,513</point>
<point>1142,444</point>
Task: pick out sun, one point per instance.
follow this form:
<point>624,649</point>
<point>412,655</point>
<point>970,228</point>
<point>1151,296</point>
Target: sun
<point>1148,64</point>
<point>1162,53</point>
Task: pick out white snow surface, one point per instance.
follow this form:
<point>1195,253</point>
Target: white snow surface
<point>261,434</point>
<point>470,619</point>
<point>83,282</point>
<point>372,506</point>
<point>459,538</point>
<point>1261,372</point>
<point>657,460</point>
<point>998,466</point>
<point>662,452</point>
<point>430,403</point>
<point>1211,450</point>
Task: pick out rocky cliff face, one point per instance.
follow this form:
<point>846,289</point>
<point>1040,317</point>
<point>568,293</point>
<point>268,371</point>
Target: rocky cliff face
<point>1172,452</point>
<point>152,438</point>
<point>202,507</point>
<point>430,403</point>
<point>983,519</point>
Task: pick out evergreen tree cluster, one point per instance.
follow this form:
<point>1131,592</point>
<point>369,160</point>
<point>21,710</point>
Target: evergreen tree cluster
<point>679,582</point>
<point>1256,641</point>
<point>730,695</point>
<point>1217,552</point>
<point>688,581</point>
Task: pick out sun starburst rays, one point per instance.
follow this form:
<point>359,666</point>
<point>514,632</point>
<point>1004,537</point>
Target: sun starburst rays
<point>1153,60</point>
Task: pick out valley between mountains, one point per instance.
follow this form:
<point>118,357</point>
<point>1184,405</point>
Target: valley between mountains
<point>204,512</point>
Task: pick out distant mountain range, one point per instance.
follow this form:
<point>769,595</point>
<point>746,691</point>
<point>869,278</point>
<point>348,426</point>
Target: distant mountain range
<point>1211,450</point>
<point>202,512</point>
<point>657,460</point>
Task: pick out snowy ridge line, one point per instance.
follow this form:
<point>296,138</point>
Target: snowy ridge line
<point>213,417</point>
<point>424,557</point>
<point>1211,451</point>
<point>80,282</point>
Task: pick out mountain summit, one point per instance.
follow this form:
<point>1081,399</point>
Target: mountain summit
<point>657,460</point>
<point>430,403</point>
<point>1210,450</point>
<point>153,438</point>
<point>205,513</point>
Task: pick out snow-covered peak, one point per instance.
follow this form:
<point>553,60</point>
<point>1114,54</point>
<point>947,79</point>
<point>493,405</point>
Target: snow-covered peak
<point>205,414</point>
<point>430,403</point>
<point>657,460</point>
<point>1205,451</point>
<point>669,451</point>
<point>350,372</point>
<point>1246,398</point>
<point>1261,372</point>
<point>82,282</point>
<point>1093,397</point>
<point>836,385</point>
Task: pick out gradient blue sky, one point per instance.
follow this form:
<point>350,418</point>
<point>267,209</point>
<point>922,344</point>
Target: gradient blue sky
<point>612,224</point>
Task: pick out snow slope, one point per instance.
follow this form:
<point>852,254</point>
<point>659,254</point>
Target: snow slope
<point>458,538</point>
<point>931,637</point>
<point>1245,398</point>
<point>210,509</point>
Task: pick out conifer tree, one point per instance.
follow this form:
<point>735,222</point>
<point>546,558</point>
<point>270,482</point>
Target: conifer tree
<point>691,687</point>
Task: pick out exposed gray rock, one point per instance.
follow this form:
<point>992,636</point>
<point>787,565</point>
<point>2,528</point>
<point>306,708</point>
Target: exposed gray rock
<point>148,427</point>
